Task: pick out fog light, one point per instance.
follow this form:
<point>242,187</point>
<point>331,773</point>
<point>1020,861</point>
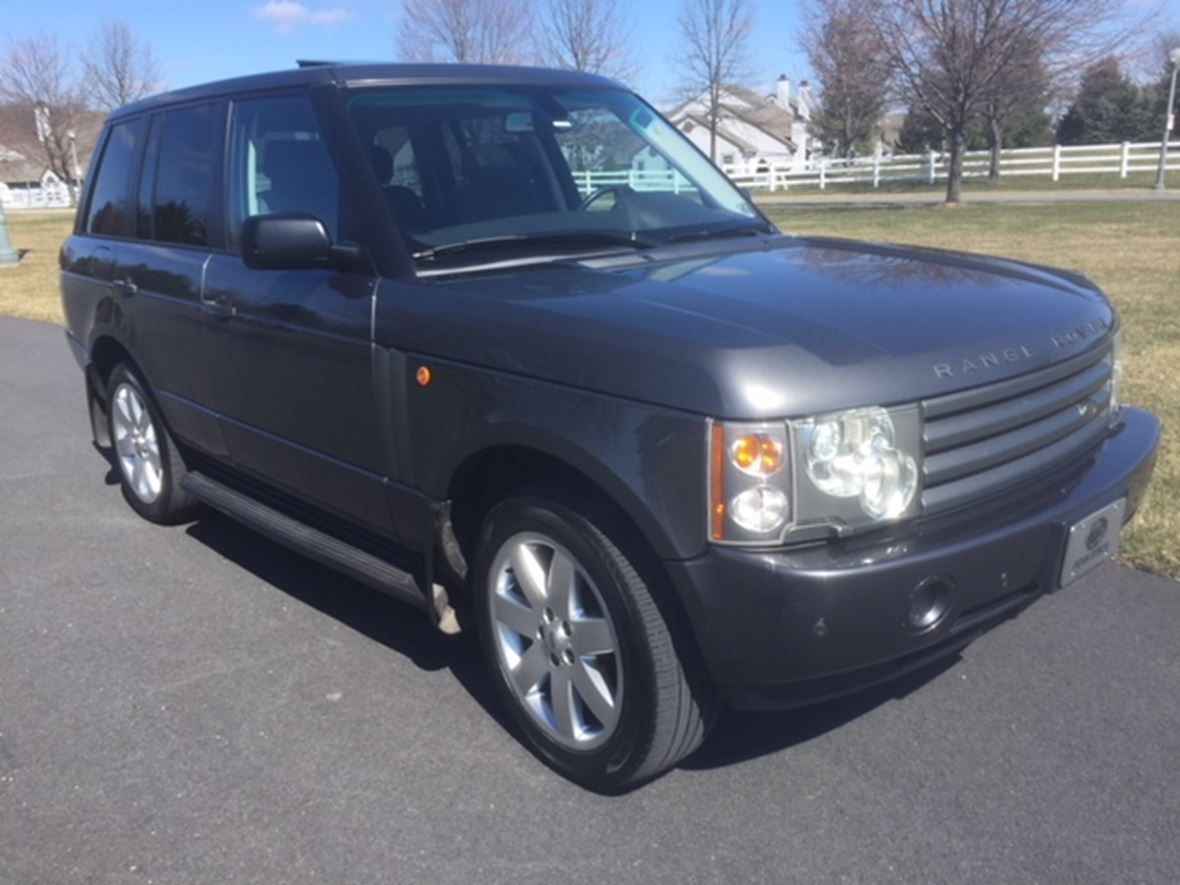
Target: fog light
<point>761,509</point>
<point>929,603</point>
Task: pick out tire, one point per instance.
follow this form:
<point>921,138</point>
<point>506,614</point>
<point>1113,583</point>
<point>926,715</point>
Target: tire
<point>659,710</point>
<point>149,465</point>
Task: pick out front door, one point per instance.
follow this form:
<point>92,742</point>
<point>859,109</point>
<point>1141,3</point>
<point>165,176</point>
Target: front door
<point>293,377</point>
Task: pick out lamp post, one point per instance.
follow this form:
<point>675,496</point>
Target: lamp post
<point>8,256</point>
<point>1174,58</point>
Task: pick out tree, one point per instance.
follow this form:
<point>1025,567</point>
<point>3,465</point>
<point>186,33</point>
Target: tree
<point>950,56</point>
<point>35,74</point>
<point>715,36</point>
<point>1019,90</point>
<point>853,74</point>
<point>465,31</point>
<point>1110,107</point>
<point>587,35</point>
<point>919,132</point>
<point>119,69</point>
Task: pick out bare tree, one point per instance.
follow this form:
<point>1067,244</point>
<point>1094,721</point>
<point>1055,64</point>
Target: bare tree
<point>35,74</point>
<point>587,35</point>
<point>949,56</point>
<point>119,69</point>
<point>853,73</point>
<point>1021,87</point>
<point>715,35</point>
<point>465,31</point>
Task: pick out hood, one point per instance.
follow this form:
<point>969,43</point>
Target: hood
<point>784,327</point>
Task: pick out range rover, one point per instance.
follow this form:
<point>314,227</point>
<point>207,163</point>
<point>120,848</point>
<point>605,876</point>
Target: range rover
<point>502,343</point>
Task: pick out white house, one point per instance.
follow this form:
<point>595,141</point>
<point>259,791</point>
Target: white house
<point>754,131</point>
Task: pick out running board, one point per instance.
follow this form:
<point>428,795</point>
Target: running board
<point>302,538</point>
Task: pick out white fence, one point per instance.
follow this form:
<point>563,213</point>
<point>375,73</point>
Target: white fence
<point>1048,162</point>
<point>51,196</point>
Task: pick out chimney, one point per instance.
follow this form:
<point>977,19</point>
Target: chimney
<point>805,100</point>
<point>782,91</point>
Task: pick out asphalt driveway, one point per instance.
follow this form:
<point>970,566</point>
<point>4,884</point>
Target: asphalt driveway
<point>198,705</point>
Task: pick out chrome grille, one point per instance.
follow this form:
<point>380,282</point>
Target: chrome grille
<point>980,441</point>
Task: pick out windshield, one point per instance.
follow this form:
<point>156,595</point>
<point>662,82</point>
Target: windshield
<point>531,168</point>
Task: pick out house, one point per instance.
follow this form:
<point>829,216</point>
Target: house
<point>755,131</point>
<point>25,180</point>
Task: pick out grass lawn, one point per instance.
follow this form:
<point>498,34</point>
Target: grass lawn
<point>1132,250</point>
<point>30,288</point>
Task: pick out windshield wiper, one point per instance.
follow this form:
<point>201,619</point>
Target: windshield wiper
<point>562,238</point>
<point>744,230</point>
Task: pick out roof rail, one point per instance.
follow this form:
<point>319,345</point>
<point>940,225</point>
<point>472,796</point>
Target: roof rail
<point>314,63</point>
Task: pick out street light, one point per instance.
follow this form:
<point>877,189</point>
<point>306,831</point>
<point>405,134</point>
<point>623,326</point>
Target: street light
<point>1174,58</point>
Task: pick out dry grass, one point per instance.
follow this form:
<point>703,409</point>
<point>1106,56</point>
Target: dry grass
<point>30,289</point>
<point>1131,249</point>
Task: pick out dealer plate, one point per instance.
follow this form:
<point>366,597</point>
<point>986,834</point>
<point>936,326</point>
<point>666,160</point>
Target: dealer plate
<point>1093,541</point>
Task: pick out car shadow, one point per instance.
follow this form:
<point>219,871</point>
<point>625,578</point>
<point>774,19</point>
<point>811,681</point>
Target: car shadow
<point>390,622</point>
<point>737,737</point>
<point>740,736</point>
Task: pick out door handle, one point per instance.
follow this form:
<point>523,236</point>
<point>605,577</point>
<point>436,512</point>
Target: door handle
<point>128,286</point>
<point>221,310</point>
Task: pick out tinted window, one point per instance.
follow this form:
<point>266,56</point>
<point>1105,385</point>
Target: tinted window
<point>185,172</point>
<point>279,163</point>
<point>108,203</point>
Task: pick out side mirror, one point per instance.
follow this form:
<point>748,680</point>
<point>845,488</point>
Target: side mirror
<point>291,241</point>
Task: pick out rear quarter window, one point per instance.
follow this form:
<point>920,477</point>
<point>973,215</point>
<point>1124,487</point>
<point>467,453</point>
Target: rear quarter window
<point>109,208</point>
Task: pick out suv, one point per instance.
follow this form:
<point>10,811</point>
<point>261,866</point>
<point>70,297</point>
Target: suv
<point>502,341</point>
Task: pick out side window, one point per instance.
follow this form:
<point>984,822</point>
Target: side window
<point>185,169</point>
<point>279,163</point>
<point>108,211</point>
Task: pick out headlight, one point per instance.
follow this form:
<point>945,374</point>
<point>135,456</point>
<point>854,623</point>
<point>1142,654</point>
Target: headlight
<point>847,470</point>
<point>856,454</point>
<point>1116,375</point>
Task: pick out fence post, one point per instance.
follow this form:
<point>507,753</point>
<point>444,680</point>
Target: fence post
<point>930,167</point>
<point>1056,162</point>
<point>675,182</point>
<point>771,179</point>
<point>823,173</point>
<point>877,169</point>
<point>1124,160</point>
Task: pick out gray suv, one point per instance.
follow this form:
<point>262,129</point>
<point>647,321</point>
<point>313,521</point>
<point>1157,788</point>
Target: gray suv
<point>502,343</point>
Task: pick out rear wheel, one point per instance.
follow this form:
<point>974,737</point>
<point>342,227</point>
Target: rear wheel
<point>150,467</point>
<point>584,658</point>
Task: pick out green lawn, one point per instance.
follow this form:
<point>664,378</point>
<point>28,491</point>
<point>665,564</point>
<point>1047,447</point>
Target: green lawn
<point>1131,249</point>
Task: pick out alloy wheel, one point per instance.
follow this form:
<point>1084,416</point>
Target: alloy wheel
<point>137,445</point>
<point>555,642</point>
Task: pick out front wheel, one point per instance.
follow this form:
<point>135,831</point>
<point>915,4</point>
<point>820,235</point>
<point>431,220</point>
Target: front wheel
<point>584,657</point>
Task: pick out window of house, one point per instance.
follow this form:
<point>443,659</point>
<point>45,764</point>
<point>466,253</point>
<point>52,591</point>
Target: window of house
<point>108,215</point>
<point>185,168</point>
<point>279,163</point>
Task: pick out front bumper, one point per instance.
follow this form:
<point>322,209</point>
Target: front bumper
<point>787,627</point>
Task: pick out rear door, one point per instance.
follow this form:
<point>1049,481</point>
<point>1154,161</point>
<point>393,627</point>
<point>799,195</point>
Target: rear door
<point>293,378</point>
<point>160,272</point>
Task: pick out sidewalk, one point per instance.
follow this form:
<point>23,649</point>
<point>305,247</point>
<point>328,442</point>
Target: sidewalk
<point>933,198</point>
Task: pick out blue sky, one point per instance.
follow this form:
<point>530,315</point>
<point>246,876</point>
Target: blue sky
<point>212,39</point>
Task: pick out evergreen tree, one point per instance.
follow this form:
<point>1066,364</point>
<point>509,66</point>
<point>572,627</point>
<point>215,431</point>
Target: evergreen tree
<point>1110,107</point>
